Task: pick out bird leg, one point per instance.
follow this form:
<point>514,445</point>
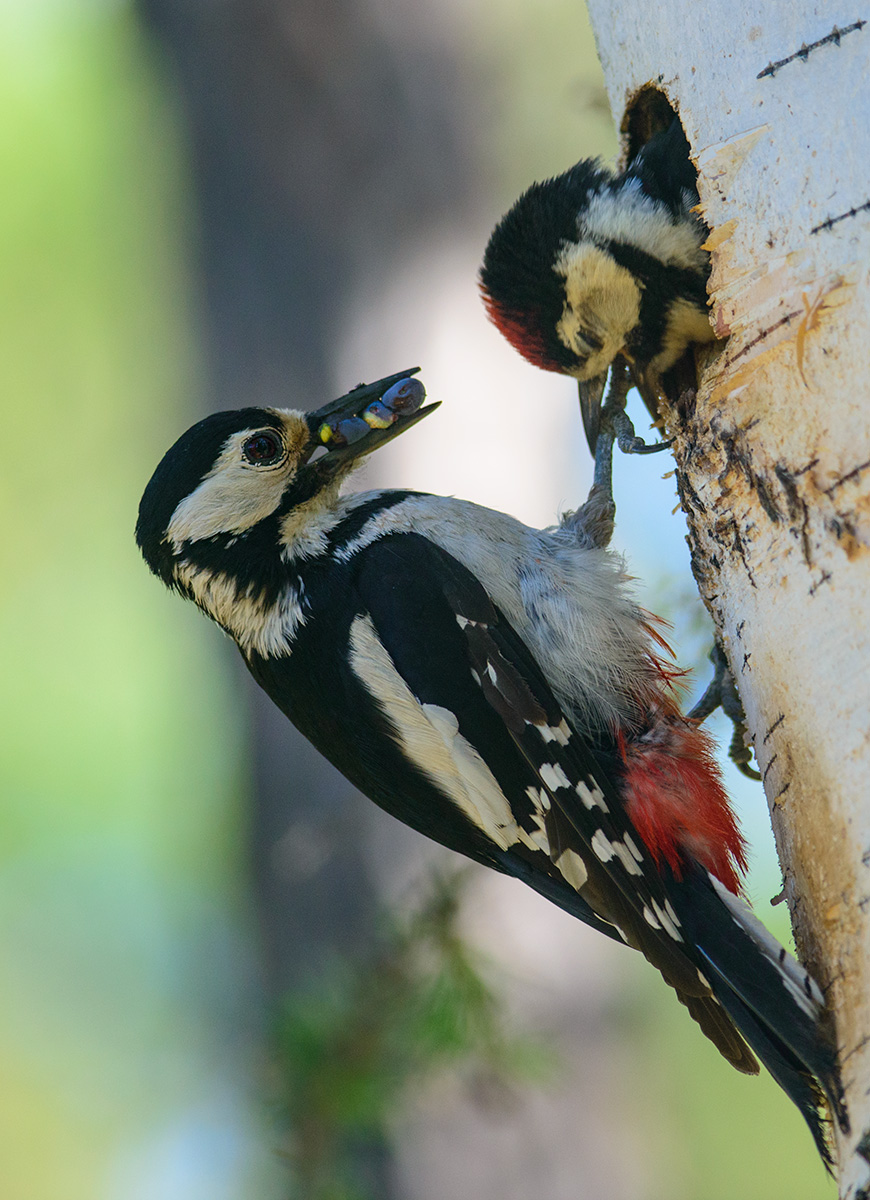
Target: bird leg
<point>613,413</point>
<point>592,523</point>
<point>722,693</point>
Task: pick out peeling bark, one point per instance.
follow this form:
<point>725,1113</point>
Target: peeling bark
<point>773,456</point>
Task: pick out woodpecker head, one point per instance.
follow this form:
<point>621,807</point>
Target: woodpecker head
<point>591,265</point>
<point>235,487</point>
<point>558,298</point>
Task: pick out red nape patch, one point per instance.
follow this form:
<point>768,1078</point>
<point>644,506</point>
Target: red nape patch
<point>676,801</point>
<point>520,330</point>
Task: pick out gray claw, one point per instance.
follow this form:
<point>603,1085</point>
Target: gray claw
<point>722,693</point>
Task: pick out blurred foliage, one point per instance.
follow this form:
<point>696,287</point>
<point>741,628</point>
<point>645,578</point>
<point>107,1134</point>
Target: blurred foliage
<point>352,1042</point>
<point>714,1133</point>
<point>125,995</point>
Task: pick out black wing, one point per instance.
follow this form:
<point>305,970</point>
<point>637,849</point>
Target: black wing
<point>736,981</point>
<point>457,654</point>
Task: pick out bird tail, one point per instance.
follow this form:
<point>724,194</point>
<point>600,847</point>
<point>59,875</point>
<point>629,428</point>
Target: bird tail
<point>774,1003</point>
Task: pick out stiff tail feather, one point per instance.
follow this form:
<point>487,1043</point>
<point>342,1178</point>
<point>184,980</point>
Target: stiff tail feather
<point>772,1000</point>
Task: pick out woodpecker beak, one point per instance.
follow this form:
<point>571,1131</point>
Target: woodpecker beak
<point>367,418</point>
<point>591,394</point>
<point>648,383</point>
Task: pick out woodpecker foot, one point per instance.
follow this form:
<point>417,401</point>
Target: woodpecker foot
<point>593,521</point>
<point>722,693</point>
<point>614,417</point>
<point>627,439</point>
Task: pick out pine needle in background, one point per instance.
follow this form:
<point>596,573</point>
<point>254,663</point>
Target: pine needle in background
<point>352,1043</point>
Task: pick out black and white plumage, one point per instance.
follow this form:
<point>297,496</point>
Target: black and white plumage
<point>591,265</point>
<point>494,687</point>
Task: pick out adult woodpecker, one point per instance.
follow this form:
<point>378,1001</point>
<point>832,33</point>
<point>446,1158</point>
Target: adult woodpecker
<point>592,265</point>
<point>493,686</point>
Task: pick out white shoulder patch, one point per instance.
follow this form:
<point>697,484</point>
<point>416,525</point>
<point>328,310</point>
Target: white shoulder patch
<point>572,606</point>
<point>429,736</point>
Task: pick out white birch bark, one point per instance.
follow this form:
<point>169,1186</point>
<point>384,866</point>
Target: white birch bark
<point>775,459</point>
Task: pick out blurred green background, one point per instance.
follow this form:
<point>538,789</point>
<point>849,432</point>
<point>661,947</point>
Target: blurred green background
<point>134,1047</point>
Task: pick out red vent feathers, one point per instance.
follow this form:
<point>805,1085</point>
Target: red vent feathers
<point>676,801</point>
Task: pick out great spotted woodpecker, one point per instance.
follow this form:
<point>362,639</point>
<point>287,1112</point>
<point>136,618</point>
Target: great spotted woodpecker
<point>493,686</point>
<point>592,265</point>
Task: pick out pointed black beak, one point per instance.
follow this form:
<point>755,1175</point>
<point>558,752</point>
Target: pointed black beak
<point>367,418</point>
<point>647,383</point>
<point>591,396</point>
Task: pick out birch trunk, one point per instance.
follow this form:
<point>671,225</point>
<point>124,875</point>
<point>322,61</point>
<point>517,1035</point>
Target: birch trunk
<point>774,459</point>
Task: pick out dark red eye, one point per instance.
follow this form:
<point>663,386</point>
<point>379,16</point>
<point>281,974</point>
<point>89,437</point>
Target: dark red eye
<point>263,449</point>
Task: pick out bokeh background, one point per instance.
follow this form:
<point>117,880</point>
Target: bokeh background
<point>210,203</point>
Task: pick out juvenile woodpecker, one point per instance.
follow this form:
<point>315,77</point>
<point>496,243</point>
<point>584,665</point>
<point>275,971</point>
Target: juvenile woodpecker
<point>592,265</point>
<point>591,270</point>
<point>493,686</point>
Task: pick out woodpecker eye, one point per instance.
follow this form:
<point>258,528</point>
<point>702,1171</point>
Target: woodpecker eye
<point>263,449</point>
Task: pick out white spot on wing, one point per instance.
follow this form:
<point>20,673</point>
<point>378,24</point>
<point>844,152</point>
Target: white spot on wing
<point>539,798</point>
<point>632,847</point>
<point>554,777</point>
<point>650,918</point>
<point>667,919</point>
<point>605,850</point>
<point>591,795</point>
<point>573,868</point>
<point>555,733</point>
<point>602,847</point>
<point>626,858</point>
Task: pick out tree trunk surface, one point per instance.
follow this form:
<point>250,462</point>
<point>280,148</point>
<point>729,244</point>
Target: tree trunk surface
<point>773,459</point>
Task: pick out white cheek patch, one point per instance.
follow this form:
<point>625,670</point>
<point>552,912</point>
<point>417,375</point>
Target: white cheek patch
<point>602,301</point>
<point>233,497</point>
